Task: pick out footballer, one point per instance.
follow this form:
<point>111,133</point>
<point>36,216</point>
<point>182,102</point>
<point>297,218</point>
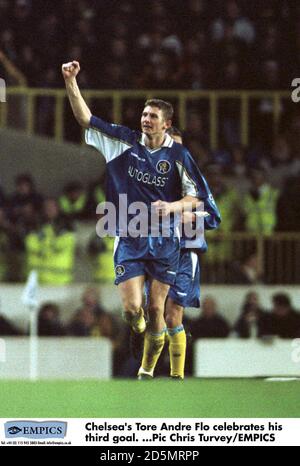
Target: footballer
<point>149,167</point>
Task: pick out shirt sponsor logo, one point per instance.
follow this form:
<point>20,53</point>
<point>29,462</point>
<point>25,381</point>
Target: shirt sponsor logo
<point>146,177</point>
<point>163,166</point>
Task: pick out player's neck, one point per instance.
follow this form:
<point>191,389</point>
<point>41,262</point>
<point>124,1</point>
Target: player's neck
<point>154,141</point>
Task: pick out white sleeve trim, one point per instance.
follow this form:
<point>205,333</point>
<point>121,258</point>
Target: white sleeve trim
<point>194,259</point>
<point>109,147</point>
<point>188,186</point>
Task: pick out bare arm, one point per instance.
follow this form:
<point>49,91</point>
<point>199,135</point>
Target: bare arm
<point>80,109</point>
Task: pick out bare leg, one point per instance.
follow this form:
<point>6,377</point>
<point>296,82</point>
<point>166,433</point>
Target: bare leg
<point>173,314</point>
<point>155,334</point>
<point>177,338</point>
<point>158,295</point>
<point>131,292</point>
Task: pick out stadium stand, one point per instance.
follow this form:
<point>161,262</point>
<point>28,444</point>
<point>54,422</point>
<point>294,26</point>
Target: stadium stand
<point>247,147</point>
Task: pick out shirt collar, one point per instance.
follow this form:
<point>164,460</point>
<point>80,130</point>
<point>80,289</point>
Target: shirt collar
<point>168,142</point>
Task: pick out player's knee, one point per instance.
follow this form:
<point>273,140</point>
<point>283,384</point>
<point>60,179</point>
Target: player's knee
<point>131,309</point>
<point>173,316</point>
<point>155,310</point>
<point>173,319</point>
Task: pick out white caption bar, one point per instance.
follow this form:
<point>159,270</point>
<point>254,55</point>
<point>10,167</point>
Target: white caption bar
<point>161,432</point>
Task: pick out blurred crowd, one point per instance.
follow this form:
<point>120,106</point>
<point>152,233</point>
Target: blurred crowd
<point>92,320</point>
<point>122,44</point>
<point>196,44</point>
<point>41,233</point>
<point>38,232</point>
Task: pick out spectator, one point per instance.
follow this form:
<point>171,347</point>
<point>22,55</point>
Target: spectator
<point>253,321</point>
<point>218,258</point>
<point>26,223</point>
<point>82,323</point>
<point>73,202</point>
<point>210,324</point>
<point>105,326</point>
<point>233,33</point>
<point>51,249</point>
<point>259,205</point>
<point>247,271</point>
<point>101,253</point>
<point>49,324</point>
<point>196,128</point>
<point>238,164</point>
<point>25,193</point>
<point>285,321</point>
<point>243,28</point>
<point>195,77</point>
<point>7,328</point>
<point>200,153</point>
<point>288,214</point>
<point>282,163</point>
<point>91,301</point>
<point>91,319</point>
<point>269,78</point>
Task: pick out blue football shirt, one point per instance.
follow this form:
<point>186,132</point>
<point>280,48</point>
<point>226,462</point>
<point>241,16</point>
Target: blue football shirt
<point>168,173</point>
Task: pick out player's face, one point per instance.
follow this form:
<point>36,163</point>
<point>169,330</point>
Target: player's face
<point>153,121</point>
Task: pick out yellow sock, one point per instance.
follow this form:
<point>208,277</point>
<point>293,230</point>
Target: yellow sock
<point>177,350</point>
<point>137,322</point>
<point>153,346</point>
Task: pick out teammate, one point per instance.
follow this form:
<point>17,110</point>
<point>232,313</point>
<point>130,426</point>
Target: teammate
<point>146,167</point>
<point>186,290</point>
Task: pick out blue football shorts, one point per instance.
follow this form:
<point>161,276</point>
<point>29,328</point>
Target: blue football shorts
<point>186,289</point>
<point>150,256</point>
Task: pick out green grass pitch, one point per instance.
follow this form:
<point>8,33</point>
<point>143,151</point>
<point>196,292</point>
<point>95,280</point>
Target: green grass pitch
<point>196,398</point>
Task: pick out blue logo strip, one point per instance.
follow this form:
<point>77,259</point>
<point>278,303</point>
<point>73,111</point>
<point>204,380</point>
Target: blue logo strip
<point>35,429</point>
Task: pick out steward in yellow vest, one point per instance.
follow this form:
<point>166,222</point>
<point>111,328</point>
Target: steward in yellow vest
<point>227,199</point>
<point>51,249</point>
<point>101,252</point>
<point>260,204</point>
<point>73,202</point>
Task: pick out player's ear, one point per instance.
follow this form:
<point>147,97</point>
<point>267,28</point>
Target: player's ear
<point>168,124</point>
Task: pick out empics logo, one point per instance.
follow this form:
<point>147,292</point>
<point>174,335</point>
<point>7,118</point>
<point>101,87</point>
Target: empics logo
<point>2,90</point>
<point>13,430</point>
<point>35,429</point>
<point>163,166</point>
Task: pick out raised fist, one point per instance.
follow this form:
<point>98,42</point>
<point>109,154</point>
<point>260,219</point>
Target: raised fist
<point>71,69</point>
